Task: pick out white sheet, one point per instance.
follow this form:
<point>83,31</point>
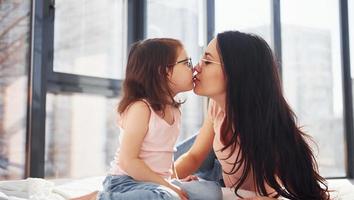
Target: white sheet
<point>31,188</point>
<point>343,189</point>
<point>39,189</point>
<point>79,187</point>
<point>88,185</point>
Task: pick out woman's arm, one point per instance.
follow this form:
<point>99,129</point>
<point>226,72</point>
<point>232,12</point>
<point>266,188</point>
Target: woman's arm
<point>190,162</point>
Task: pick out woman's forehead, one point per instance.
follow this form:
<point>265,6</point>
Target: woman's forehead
<point>211,49</point>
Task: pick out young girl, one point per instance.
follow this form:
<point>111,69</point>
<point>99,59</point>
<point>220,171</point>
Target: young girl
<point>149,119</point>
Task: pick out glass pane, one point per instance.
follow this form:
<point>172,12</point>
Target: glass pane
<point>14,64</point>
<point>81,135</point>
<point>251,16</point>
<point>312,77</point>
<point>351,35</point>
<point>90,37</point>
<point>188,26</point>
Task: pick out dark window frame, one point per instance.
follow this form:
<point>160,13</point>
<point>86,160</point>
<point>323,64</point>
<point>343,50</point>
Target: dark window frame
<point>42,78</point>
<point>347,88</point>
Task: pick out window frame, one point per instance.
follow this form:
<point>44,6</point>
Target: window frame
<point>42,78</point>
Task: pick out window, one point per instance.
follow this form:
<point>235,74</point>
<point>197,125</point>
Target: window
<point>90,37</point>
<point>187,20</point>
<point>312,77</point>
<point>247,16</point>
<point>81,135</point>
<point>90,42</point>
<point>14,60</point>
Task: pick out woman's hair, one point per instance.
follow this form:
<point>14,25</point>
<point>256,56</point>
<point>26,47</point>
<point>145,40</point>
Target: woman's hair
<point>272,146</point>
<point>146,73</point>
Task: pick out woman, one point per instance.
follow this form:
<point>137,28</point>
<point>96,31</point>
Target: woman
<point>249,125</point>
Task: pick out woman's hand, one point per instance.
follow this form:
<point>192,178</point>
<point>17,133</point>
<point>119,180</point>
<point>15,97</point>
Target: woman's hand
<point>182,194</point>
<point>190,178</point>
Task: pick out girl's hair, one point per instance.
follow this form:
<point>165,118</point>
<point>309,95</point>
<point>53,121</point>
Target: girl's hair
<point>146,73</point>
<point>258,117</point>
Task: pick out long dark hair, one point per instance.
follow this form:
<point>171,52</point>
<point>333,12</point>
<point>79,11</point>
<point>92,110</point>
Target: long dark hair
<point>146,73</point>
<point>261,122</point>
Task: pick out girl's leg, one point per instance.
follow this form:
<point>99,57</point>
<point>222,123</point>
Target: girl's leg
<point>126,188</point>
<point>91,196</point>
<point>210,169</point>
<point>201,190</point>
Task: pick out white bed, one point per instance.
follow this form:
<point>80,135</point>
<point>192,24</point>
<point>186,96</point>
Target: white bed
<point>39,189</point>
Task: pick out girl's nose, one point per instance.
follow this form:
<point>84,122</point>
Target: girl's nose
<point>197,68</point>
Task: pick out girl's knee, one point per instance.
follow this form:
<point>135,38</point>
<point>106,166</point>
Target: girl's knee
<point>168,194</point>
<point>206,190</point>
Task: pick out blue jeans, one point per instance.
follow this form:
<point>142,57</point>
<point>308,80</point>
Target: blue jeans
<point>125,187</point>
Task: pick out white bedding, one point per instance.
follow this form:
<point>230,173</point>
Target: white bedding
<point>39,189</point>
<point>31,188</point>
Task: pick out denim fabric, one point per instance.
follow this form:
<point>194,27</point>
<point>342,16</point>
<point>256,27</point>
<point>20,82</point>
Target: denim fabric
<point>124,187</point>
<point>208,188</point>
